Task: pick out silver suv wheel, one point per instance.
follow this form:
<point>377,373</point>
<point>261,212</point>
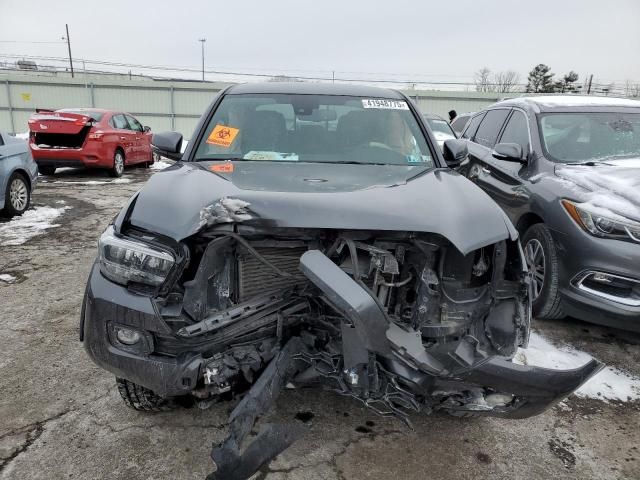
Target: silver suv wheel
<point>18,194</point>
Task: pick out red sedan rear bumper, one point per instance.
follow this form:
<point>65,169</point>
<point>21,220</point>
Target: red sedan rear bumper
<point>92,155</point>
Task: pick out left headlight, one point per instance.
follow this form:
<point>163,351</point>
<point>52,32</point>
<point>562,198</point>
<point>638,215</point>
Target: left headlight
<point>601,223</point>
<point>124,260</point>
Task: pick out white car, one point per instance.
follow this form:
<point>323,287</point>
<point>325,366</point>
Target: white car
<point>440,128</point>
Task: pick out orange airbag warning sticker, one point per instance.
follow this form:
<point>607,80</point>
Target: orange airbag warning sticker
<point>222,167</point>
<point>223,136</point>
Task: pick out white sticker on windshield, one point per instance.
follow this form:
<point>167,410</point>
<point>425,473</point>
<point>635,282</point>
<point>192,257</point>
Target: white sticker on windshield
<point>267,155</point>
<point>384,103</point>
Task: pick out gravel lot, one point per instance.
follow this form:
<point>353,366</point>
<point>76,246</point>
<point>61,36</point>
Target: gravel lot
<point>61,416</point>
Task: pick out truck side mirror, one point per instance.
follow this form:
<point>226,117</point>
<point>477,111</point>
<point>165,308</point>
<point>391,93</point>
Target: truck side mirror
<point>167,144</point>
<point>455,151</point>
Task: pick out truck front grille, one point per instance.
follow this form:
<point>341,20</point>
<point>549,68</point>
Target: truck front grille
<point>255,278</point>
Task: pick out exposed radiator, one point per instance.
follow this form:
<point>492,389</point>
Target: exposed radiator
<point>255,278</point>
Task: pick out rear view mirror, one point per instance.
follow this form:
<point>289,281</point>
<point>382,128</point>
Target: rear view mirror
<point>167,144</point>
<point>511,152</point>
<point>147,129</point>
<point>318,115</point>
<point>455,152</point>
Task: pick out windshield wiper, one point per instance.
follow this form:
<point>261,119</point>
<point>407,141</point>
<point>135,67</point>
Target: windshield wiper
<point>589,163</point>
<point>350,162</point>
<point>354,162</point>
<point>225,159</point>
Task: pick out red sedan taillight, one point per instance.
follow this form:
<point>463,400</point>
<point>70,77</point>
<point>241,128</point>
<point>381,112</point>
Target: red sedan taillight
<point>96,135</point>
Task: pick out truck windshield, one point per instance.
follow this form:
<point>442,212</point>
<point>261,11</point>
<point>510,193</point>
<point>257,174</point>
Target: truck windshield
<point>583,137</point>
<point>314,128</point>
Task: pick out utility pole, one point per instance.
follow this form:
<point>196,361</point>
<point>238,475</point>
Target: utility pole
<point>202,40</point>
<point>66,26</point>
<point>589,85</point>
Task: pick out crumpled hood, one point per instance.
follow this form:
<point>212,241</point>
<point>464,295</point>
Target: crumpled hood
<point>179,201</point>
<point>614,187</point>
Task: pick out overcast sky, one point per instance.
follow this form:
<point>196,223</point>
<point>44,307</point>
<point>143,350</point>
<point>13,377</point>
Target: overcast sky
<point>401,39</point>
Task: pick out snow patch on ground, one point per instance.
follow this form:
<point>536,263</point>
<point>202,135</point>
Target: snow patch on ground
<point>5,277</point>
<point>63,170</point>
<point>160,165</point>
<point>32,223</point>
<point>609,384</point>
<point>95,182</point>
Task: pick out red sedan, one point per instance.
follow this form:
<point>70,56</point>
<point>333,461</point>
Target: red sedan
<point>88,137</point>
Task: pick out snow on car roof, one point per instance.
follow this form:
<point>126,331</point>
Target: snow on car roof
<point>583,101</point>
<point>548,102</point>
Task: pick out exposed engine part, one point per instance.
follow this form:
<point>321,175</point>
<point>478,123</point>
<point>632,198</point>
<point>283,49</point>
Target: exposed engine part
<point>401,323</point>
<point>481,267</point>
<point>225,369</point>
<point>231,463</point>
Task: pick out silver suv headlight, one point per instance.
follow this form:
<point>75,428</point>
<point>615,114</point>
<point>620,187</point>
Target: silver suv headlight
<point>601,223</point>
<point>124,260</point>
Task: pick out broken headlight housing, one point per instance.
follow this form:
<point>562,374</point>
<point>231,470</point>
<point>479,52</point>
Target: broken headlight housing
<point>124,260</point>
<point>602,223</point>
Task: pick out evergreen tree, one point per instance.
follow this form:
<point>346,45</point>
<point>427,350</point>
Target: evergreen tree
<point>540,80</point>
<point>568,83</point>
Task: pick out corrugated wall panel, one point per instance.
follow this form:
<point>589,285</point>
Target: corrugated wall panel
<point>186,126</point>
<point>20,119</point>
<point>151,100</point>
<point>193,102</point>
<point>134,100</point>
<point>441,106</point>
<point>32,96</point>
<point>5,121</point>
<point>157,123</point>
<point>4,100</point>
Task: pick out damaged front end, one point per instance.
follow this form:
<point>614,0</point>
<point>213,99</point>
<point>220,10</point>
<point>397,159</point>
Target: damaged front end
<point>402,322</point>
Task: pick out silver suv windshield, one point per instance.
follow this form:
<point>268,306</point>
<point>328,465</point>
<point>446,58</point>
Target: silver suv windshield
<point>314,128</point>
<point>584,137</point>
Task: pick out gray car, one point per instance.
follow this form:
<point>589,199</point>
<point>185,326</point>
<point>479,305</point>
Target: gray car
<point>566,170</point>
<point>458,123</point>
<point>18,175</point>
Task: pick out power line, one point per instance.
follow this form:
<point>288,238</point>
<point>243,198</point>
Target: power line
<point>242,74</point>
<point>330,75</point>
<point>30,41</point>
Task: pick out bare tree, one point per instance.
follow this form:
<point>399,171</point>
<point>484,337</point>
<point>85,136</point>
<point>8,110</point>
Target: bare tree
<point>482,79</point>
<point>506,81</point>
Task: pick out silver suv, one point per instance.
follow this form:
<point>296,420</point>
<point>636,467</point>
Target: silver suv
<point>18,175</point>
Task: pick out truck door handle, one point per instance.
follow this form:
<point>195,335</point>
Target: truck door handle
<point>123,138</point>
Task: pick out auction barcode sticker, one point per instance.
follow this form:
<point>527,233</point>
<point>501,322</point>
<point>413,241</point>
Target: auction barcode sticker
<point>384,103</point>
